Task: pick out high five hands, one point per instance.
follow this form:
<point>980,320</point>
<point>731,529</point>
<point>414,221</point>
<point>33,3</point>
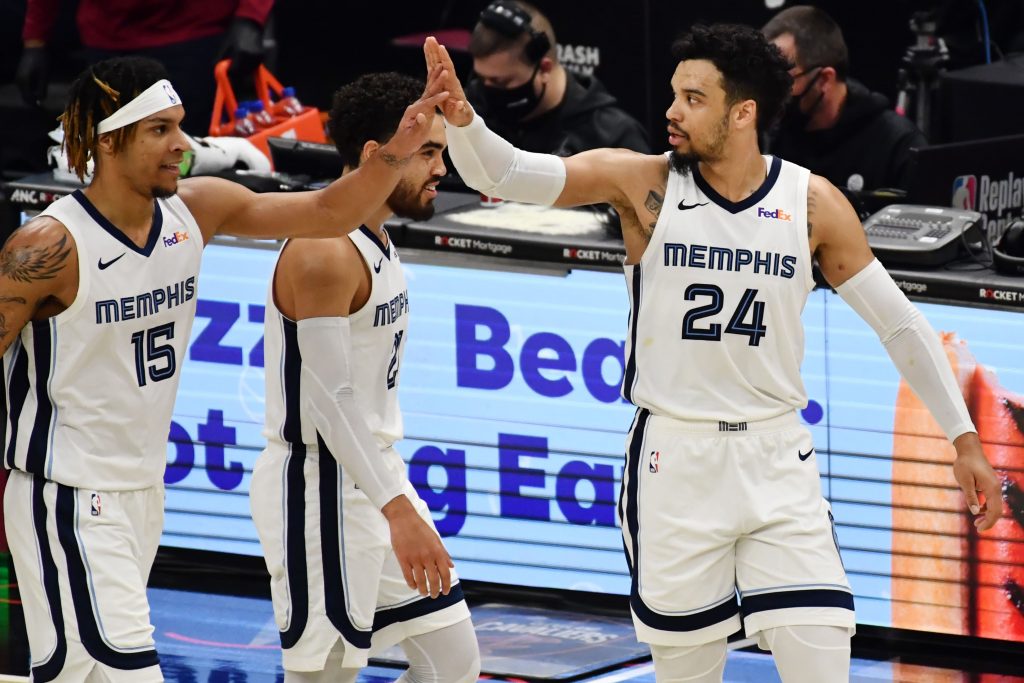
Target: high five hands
<point>455,107</point>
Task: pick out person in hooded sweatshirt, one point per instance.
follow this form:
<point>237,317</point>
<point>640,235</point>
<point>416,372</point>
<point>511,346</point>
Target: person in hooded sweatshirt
<point>530,99</point>
<point>834,125</point>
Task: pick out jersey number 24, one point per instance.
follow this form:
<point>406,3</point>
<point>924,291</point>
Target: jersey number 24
<point>738,324</point>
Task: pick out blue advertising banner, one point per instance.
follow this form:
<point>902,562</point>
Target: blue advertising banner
<point>515,432</point>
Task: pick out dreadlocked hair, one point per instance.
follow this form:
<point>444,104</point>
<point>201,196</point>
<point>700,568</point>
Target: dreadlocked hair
<point>98,92</point>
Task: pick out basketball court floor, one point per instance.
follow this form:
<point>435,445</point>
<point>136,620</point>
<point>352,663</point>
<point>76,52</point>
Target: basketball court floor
<point>215,638</point>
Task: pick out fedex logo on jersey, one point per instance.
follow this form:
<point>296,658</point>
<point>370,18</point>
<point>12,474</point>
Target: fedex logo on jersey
<point>777,214</point>
<point>176,238</point>
<point>965,193</point>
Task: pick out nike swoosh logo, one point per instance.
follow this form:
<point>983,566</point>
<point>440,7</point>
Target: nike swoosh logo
<point>377,265</point>
<point>104,266</point>
<point>804,456</point>
<point>683,206</point>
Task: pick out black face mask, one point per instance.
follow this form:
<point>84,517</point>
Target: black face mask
<point>511,105</point>
<point>796,120</point>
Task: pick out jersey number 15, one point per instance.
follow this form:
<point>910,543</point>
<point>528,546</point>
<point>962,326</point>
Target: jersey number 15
<point>152,358</point>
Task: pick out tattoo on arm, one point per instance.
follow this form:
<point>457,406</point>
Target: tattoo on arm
<point>4,330</point>
<point>391,160</point>
<point>811,206</point>
<point>653,204</point>
<point>28,264</point>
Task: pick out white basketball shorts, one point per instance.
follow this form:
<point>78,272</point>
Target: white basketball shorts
<point>332,570</point>
<point>83,559</point>
<point>710,510</point>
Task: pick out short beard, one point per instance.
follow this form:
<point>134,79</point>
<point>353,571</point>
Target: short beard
<point>684,163</point>
<point>161,193</point>
<point>405,202</point>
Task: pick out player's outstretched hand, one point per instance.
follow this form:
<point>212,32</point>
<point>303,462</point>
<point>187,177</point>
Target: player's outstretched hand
<point>414,128</point>
<point>975,475</point>
<point>456,108</point>
<point>425,563</point>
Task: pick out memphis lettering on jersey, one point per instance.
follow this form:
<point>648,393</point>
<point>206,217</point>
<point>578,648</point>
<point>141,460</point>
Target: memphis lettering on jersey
<point>385,314</point>
<point>735,260</point>
<point>145,304</point>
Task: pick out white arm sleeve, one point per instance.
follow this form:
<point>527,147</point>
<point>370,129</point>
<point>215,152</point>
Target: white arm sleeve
<point>490,164</point>
<point>912,344</point>
<point>328,399</point>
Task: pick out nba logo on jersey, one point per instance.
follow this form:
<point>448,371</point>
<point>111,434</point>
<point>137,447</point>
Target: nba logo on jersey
<point>95,504</point>
<point>965,192</point>
<point>655,457</point>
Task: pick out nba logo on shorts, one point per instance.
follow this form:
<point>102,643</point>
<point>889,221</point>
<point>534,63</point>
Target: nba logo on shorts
<point>95,504</point>
<point>655,457</point>
<point>965,191</point>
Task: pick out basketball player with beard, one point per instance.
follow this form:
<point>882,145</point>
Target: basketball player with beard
<point>97,298</point>
<point>330,496</point>
<point>720,242</point>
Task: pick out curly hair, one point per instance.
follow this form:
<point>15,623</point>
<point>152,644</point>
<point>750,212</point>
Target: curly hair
<point>751,67</point>
<point>98,92</point>
<point>369,108</point>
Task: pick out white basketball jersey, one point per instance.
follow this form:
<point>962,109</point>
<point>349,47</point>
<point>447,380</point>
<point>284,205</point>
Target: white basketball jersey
<point>90,392</point>
<point>378,332</point>
<point>715,302</point>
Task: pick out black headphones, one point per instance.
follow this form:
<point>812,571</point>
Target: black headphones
<point>511,20</point>
<point>1008,252</point>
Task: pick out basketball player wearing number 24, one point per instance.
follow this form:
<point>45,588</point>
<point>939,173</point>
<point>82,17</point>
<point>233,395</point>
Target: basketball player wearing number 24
<point>717,497</point>
<point>97,299</point>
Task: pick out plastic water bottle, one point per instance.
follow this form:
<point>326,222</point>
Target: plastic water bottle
<point>259,115</point>
<point>243,124</point>
<point>289,104</point>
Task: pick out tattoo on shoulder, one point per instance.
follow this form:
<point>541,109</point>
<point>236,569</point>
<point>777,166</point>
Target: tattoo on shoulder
<point>812,199</point>
<point>28,264</point>
<point>653,203</point>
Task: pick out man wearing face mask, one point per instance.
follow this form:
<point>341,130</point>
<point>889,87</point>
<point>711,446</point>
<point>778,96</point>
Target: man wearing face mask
<point>530,99</point>
<point>834,125</point>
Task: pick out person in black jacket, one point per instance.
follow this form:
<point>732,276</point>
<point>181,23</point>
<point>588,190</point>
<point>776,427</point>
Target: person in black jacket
<point>834,125</point>
<point>530,99</point>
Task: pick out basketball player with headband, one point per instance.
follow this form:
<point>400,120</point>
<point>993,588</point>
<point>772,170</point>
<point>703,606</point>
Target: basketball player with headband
<point>97,299</point>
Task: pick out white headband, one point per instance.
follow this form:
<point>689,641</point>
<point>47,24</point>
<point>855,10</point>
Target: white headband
<point>156,97</point>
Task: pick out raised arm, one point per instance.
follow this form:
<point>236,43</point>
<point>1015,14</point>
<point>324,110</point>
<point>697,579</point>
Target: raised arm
<point>847,263</point>
<point>316,283</point>
<point>223,207</point>
<point>493,166</point>
<point>38,273</point>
